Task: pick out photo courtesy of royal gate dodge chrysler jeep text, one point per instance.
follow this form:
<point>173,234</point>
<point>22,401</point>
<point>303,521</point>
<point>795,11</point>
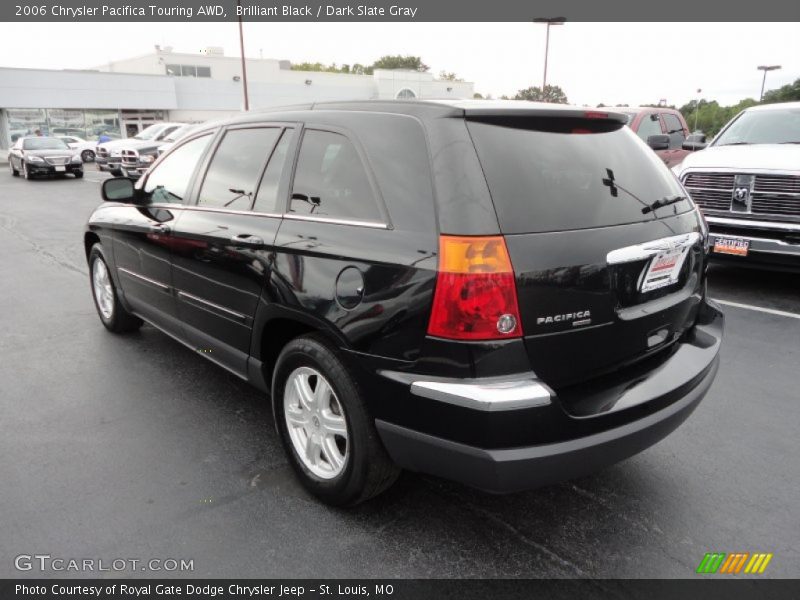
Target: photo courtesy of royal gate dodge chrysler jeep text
<point>506,295</point>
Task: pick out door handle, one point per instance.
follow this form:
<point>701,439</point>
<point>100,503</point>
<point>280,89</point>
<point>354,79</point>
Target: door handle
<point>245,239</point>
<point>159,228</point>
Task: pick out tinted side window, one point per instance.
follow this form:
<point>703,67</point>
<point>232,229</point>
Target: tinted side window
<point>674,130</point>
<point>170,179</point>
<point>648,127</point>
<point>267,195</point>
<point>331,180</point>
<point>231,180</point>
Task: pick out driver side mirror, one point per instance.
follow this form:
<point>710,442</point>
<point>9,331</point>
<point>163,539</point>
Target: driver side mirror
<point>696,141</point>
<point>658,142</point>
<point>118,189</point>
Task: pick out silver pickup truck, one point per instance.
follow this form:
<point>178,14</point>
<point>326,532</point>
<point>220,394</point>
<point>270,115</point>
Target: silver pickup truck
<point>747,184</point>
<point>109,154</point>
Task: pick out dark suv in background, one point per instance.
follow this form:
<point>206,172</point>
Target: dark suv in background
<point>503,294</point>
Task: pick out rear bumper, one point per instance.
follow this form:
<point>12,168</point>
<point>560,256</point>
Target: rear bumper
<point>620,429</point>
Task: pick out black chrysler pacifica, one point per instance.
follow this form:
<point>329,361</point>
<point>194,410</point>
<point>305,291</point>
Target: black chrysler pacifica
<point>502,294</point>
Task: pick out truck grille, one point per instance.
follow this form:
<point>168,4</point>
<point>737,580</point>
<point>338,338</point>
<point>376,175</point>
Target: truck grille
<point>130,158</point>
<point>771,194</point>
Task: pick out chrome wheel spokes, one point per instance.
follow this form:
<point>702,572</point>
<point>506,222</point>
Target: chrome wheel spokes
<point>316,422</point>
<point>103,292</point>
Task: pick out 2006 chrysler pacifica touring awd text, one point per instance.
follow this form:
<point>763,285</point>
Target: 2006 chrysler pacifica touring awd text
<point>502,294</point>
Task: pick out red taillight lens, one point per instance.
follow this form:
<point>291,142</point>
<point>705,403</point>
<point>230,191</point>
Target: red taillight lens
<point>476,296</point>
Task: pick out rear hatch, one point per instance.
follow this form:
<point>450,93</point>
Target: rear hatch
<point>603,281</point>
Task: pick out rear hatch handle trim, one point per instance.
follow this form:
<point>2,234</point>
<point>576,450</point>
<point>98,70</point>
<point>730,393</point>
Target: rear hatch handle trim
<point>647,250</point>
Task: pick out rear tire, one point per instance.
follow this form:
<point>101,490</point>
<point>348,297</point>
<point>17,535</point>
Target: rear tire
<point>111,312</point>
<point>87,156</point>
<point>341,469</point>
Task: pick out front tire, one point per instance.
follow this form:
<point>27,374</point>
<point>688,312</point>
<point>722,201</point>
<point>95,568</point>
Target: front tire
<point>326,430</point>
<point>111,312</point>
<point>14,172</point>
<point>78,174</point>
<point>25,173</point>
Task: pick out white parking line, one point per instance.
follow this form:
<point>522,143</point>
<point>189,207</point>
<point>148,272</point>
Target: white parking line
<point>772,311</point>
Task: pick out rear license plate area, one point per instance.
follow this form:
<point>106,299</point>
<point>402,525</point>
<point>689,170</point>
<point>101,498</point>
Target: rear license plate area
<point>664,269</point>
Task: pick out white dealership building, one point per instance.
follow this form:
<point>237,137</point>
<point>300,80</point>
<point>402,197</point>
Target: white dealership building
<point>121,97</point>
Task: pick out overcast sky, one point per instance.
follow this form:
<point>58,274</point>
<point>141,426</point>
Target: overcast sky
<point>612,63</point>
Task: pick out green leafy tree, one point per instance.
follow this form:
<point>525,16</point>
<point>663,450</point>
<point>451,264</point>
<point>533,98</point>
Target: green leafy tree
<point>786,93</point>
<point>319,67</point>
<point>709,116</point>
<point>552,93</point>
<point>413,63</point>
<point>445,76</point>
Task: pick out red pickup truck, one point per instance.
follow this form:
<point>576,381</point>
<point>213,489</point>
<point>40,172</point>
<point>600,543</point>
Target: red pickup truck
<point>664,130</point>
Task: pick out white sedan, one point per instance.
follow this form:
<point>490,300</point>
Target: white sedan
<point>86,148</point>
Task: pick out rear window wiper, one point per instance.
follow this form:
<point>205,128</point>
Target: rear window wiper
<point>666,201</point>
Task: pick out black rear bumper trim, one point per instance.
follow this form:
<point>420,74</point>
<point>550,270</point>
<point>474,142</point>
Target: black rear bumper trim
<point>517,469</point>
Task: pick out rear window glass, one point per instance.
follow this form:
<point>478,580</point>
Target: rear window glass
<point>557,174</point>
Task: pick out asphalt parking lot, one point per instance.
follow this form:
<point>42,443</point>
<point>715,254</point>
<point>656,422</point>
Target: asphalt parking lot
<point>135,447</point>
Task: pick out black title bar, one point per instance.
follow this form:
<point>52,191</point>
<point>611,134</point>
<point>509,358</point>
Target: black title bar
<point>706,587</point>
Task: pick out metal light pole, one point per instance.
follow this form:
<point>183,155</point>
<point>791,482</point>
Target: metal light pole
<point>548,21</point>
<point>766,68</point>
<point>697,108</point>
<point>244,65</point>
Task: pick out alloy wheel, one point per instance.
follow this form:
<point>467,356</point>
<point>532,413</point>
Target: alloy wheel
<point>103,292</point>
<point>316,423</point>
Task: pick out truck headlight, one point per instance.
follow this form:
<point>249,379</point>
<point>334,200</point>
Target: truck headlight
<point>147,159</point>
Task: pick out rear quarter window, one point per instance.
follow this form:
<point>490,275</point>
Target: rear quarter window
<point>553,174</point>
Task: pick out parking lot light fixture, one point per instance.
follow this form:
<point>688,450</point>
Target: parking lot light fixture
<point>244,62</point>
<point>766,68</point>
<point>548,21</point>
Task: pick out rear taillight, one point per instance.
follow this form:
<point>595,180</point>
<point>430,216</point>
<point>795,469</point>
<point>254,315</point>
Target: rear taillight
<point>476,296</point>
